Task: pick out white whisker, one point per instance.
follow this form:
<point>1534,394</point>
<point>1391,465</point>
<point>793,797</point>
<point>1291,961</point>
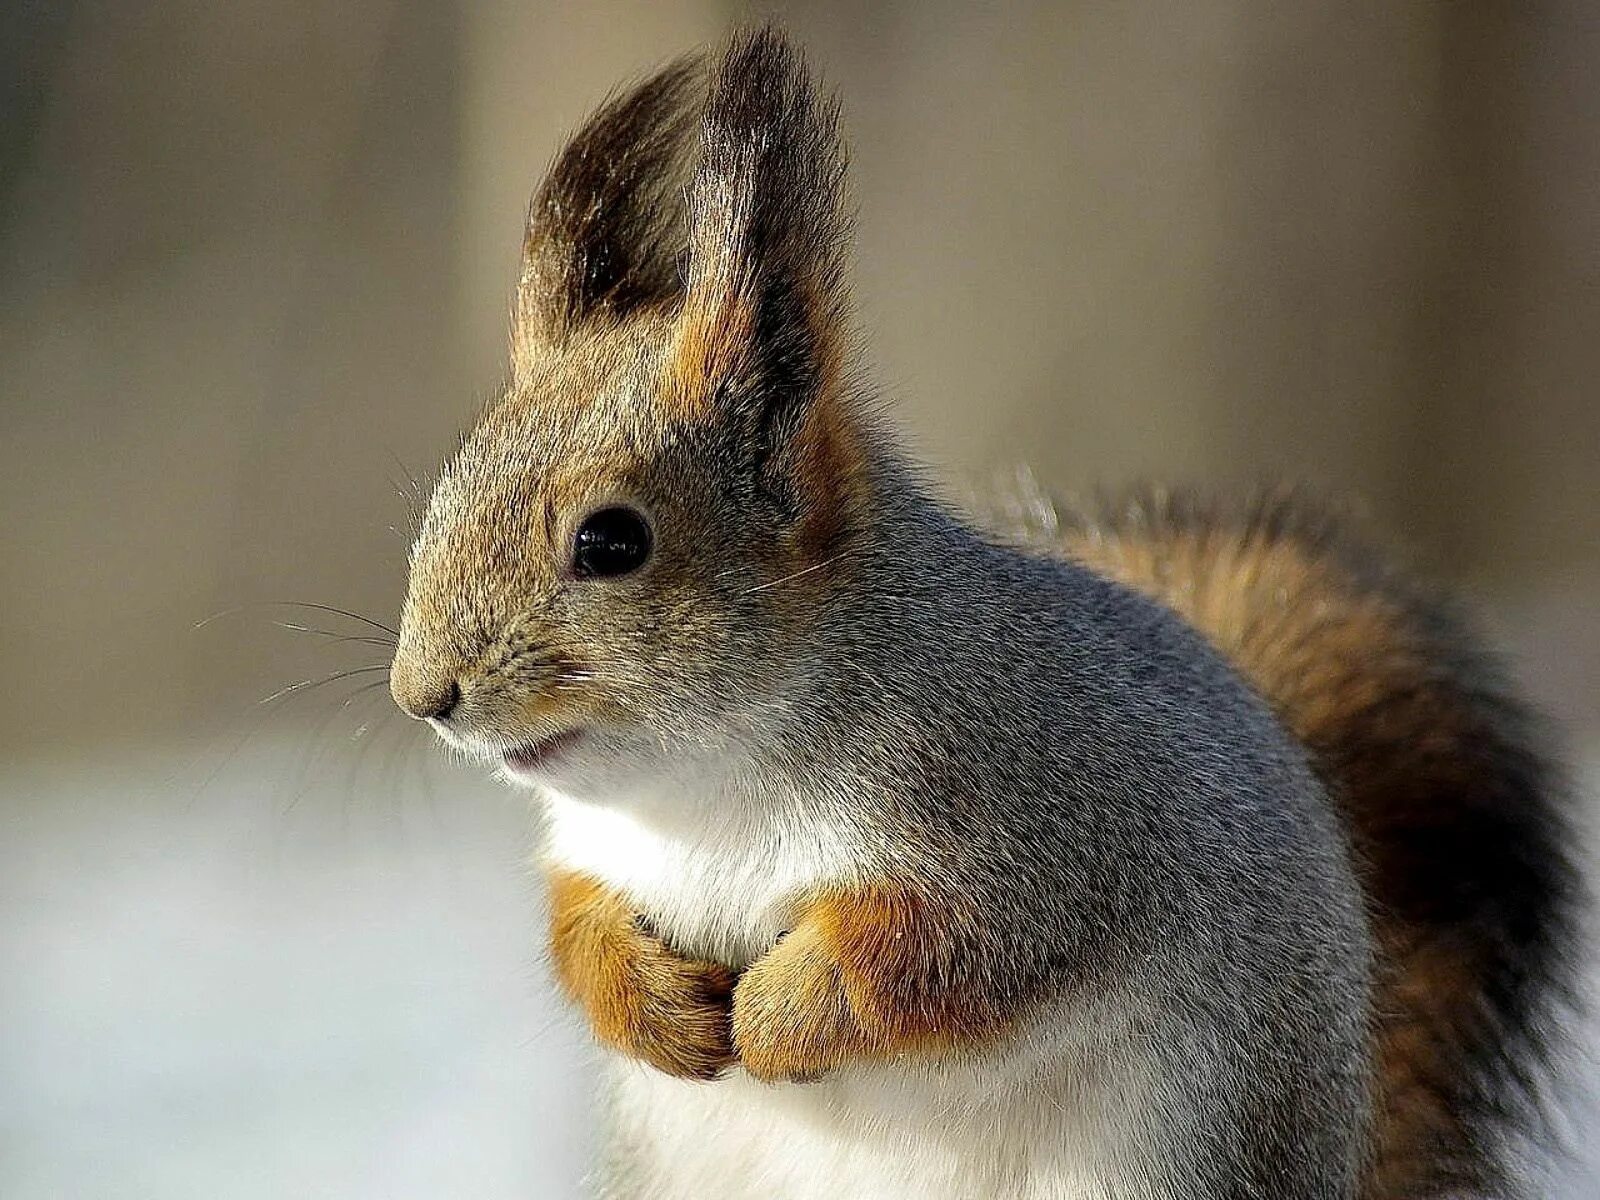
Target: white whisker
<point>761,587</point>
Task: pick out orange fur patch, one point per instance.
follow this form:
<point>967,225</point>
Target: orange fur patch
<point>712,345</point>
<point>868,973</point>
<point>830,478</point>
<point>640,997</point>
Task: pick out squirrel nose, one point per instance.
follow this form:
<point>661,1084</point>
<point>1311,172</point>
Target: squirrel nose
<point>426,704</point>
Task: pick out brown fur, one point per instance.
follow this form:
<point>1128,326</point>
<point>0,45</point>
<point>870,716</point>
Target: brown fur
<point>1425,765</point>
<point>830,477</point>
<point>712,345</point>
<point>866,973</point>
<point>603,230</point>
<point>641,998</point>
<point>873,972</point>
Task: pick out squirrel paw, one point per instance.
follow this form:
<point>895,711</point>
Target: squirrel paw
<point>791,1018</point>
<point>640,997</point>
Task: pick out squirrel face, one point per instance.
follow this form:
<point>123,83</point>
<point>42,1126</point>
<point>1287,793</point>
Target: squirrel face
<point>596,582</point>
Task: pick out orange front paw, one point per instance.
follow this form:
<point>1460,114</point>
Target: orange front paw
<point>791,1017</point>
<point>640,997</point>
<point>878,971</point>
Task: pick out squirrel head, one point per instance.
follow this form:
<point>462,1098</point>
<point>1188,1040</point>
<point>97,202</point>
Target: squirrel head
<point>626,555</point>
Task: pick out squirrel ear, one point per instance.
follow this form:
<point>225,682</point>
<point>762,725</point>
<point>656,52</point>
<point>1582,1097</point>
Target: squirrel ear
<point>764,323</point>
<point>605,228</point>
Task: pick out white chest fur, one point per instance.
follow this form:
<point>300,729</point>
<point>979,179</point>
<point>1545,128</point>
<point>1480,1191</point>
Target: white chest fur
<point>718,879</point>
<point>890,1132</point>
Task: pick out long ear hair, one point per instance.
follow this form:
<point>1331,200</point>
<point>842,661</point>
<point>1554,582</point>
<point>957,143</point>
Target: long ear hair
<point>764,327</point>
<point>606,227</point>
<point>761,336</point>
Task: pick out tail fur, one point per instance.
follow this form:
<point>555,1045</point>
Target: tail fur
<point>1453,812</point>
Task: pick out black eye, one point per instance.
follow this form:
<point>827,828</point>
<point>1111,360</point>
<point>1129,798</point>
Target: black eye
<point>612,541</point>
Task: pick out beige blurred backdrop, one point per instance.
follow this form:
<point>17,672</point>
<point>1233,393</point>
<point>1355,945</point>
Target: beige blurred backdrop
<point>255,261</point>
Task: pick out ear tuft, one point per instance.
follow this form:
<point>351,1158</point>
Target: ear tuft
<point>605,228</point>
<point>766,312</point>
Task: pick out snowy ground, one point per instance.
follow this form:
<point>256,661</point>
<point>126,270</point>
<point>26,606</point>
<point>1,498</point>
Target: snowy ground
<point>288,978</point>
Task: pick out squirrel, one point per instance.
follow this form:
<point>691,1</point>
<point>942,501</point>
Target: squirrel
<point>1182,850</point>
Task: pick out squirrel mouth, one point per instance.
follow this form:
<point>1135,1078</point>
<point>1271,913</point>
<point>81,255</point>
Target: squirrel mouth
<point>529,759</point>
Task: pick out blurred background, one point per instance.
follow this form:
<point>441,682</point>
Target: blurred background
<point>255,262</point>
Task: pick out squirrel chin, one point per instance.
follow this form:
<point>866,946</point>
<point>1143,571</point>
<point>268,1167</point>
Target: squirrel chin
<point>530,763</point>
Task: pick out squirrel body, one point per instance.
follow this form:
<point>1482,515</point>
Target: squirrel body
<point>1177,851</point>
<point>1112,824</point>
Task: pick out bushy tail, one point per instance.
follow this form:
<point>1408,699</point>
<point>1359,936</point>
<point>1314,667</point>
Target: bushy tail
<point>1452,810</point>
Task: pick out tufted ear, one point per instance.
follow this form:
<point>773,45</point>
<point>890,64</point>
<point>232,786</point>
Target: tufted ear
<point>606,227</point>
<point>763,332</point>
